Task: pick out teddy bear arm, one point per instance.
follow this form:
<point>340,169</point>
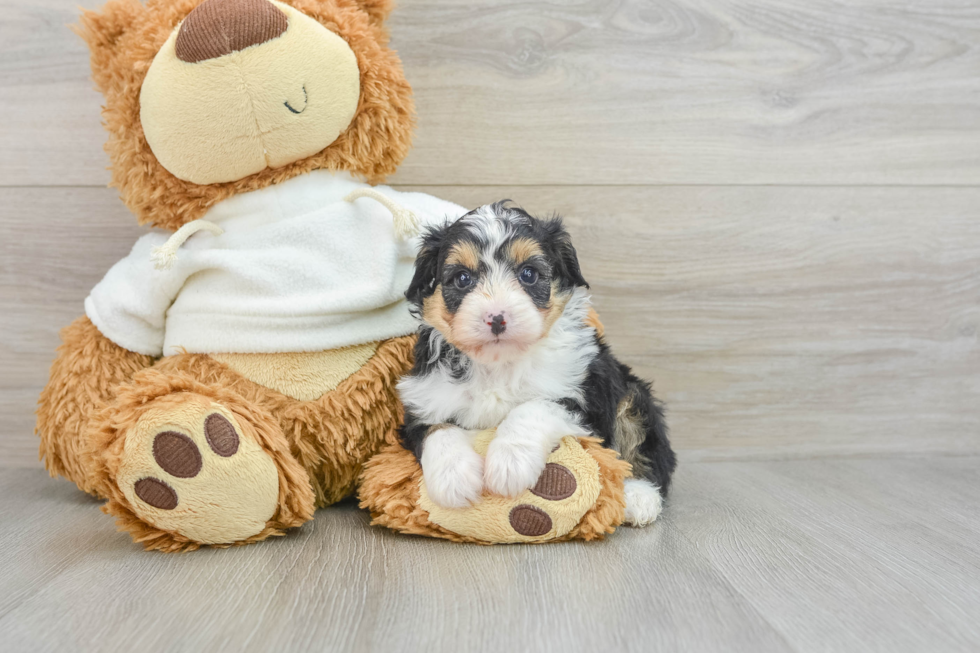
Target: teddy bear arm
<point>83,377</point>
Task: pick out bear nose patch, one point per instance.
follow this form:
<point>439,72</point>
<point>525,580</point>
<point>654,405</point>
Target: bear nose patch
<point>219,27</point>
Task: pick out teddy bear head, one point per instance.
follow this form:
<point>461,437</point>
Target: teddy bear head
<point>205,99</point>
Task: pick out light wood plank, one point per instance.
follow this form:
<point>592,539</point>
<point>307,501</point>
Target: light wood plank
<point>340,585</point>
<point>782,556</point>
<point>842,559</point>
<point>18,445</point>
<point>774,321</point>
<point>586,92</point>
<point>49,110</point>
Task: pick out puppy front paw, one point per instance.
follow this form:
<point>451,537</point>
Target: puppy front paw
<point>452,470</point>
<point>513,465</point>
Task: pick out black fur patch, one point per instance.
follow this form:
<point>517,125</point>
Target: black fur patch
<point>607,384</point>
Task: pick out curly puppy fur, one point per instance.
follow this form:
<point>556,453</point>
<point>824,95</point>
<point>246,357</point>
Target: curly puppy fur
<point>124,37</point>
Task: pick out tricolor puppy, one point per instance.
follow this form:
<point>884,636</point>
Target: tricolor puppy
<point>508,340</point>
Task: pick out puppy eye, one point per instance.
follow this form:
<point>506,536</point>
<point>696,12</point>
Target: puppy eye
<point>529,276</point>
<point>463,280</point>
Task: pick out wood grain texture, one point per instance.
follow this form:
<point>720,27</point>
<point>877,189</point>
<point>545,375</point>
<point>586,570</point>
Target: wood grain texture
<point>339,585</point>
<point>774,321</point>
<point>603,91</point>
<point>50,124</point>
<point>749,556</point>
<point>849,554</point>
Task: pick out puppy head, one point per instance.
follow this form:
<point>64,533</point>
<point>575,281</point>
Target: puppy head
<point>495,281</point>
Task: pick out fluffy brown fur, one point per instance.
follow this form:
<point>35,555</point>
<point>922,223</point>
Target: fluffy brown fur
<point>390,491</point>
<point>318,446</point>
<point>124,37</point>
<point>84,377</point>
<point>378,10</point>
<point>331,436</point>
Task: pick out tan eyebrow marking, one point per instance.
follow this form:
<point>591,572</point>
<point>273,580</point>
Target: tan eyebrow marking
<point>465,254</point>
<point>522,249</point>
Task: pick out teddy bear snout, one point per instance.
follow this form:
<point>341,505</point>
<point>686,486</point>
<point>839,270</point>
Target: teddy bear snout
<point>219,27</point>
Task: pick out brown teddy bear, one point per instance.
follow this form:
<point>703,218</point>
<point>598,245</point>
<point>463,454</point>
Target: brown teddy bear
<point>237,369</point>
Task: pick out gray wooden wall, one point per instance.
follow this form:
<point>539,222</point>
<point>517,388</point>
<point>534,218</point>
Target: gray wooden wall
<point>777,202</point>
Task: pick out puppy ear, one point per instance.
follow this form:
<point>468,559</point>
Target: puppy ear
<point>567,269</point>
<point>427,265</point>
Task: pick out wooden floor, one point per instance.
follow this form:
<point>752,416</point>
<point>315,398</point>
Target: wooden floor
<point>875,554</point>
<point>777,204</point>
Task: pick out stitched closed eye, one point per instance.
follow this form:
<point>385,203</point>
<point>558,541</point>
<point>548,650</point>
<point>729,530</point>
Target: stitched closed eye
<point>306,99</point>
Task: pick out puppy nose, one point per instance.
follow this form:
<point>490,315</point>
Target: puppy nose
<point>219,27</point>
<point>497,324</point>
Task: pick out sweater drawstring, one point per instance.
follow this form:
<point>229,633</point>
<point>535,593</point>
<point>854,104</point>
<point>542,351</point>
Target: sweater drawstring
<point>165,256</point>
<point>406,223</point>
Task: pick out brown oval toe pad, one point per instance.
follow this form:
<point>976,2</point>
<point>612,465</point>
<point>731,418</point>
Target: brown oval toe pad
<point>221,435</point>
<point>156,493</point>
<point>177,454</point>
<point>530,520</point>
<point>555,483</point>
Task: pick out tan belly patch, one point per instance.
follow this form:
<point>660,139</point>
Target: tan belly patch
<point>304,376</point>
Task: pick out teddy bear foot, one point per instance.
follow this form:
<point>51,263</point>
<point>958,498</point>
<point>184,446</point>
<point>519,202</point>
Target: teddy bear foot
<point>183,469</point>
<point>195,473</point>
<point>578,496</point>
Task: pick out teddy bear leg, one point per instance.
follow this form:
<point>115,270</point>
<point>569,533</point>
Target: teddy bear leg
<point>185,464</point>
<point>83,379</point>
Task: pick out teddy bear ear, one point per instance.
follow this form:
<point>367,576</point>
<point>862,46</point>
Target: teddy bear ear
<point>101,29</point>
<point>378,10</point>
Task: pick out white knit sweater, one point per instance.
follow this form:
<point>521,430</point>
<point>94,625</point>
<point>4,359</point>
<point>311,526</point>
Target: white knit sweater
<point>296,269</point>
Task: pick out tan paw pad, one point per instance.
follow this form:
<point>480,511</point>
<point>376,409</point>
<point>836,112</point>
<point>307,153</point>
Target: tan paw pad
<point>189,467</point>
